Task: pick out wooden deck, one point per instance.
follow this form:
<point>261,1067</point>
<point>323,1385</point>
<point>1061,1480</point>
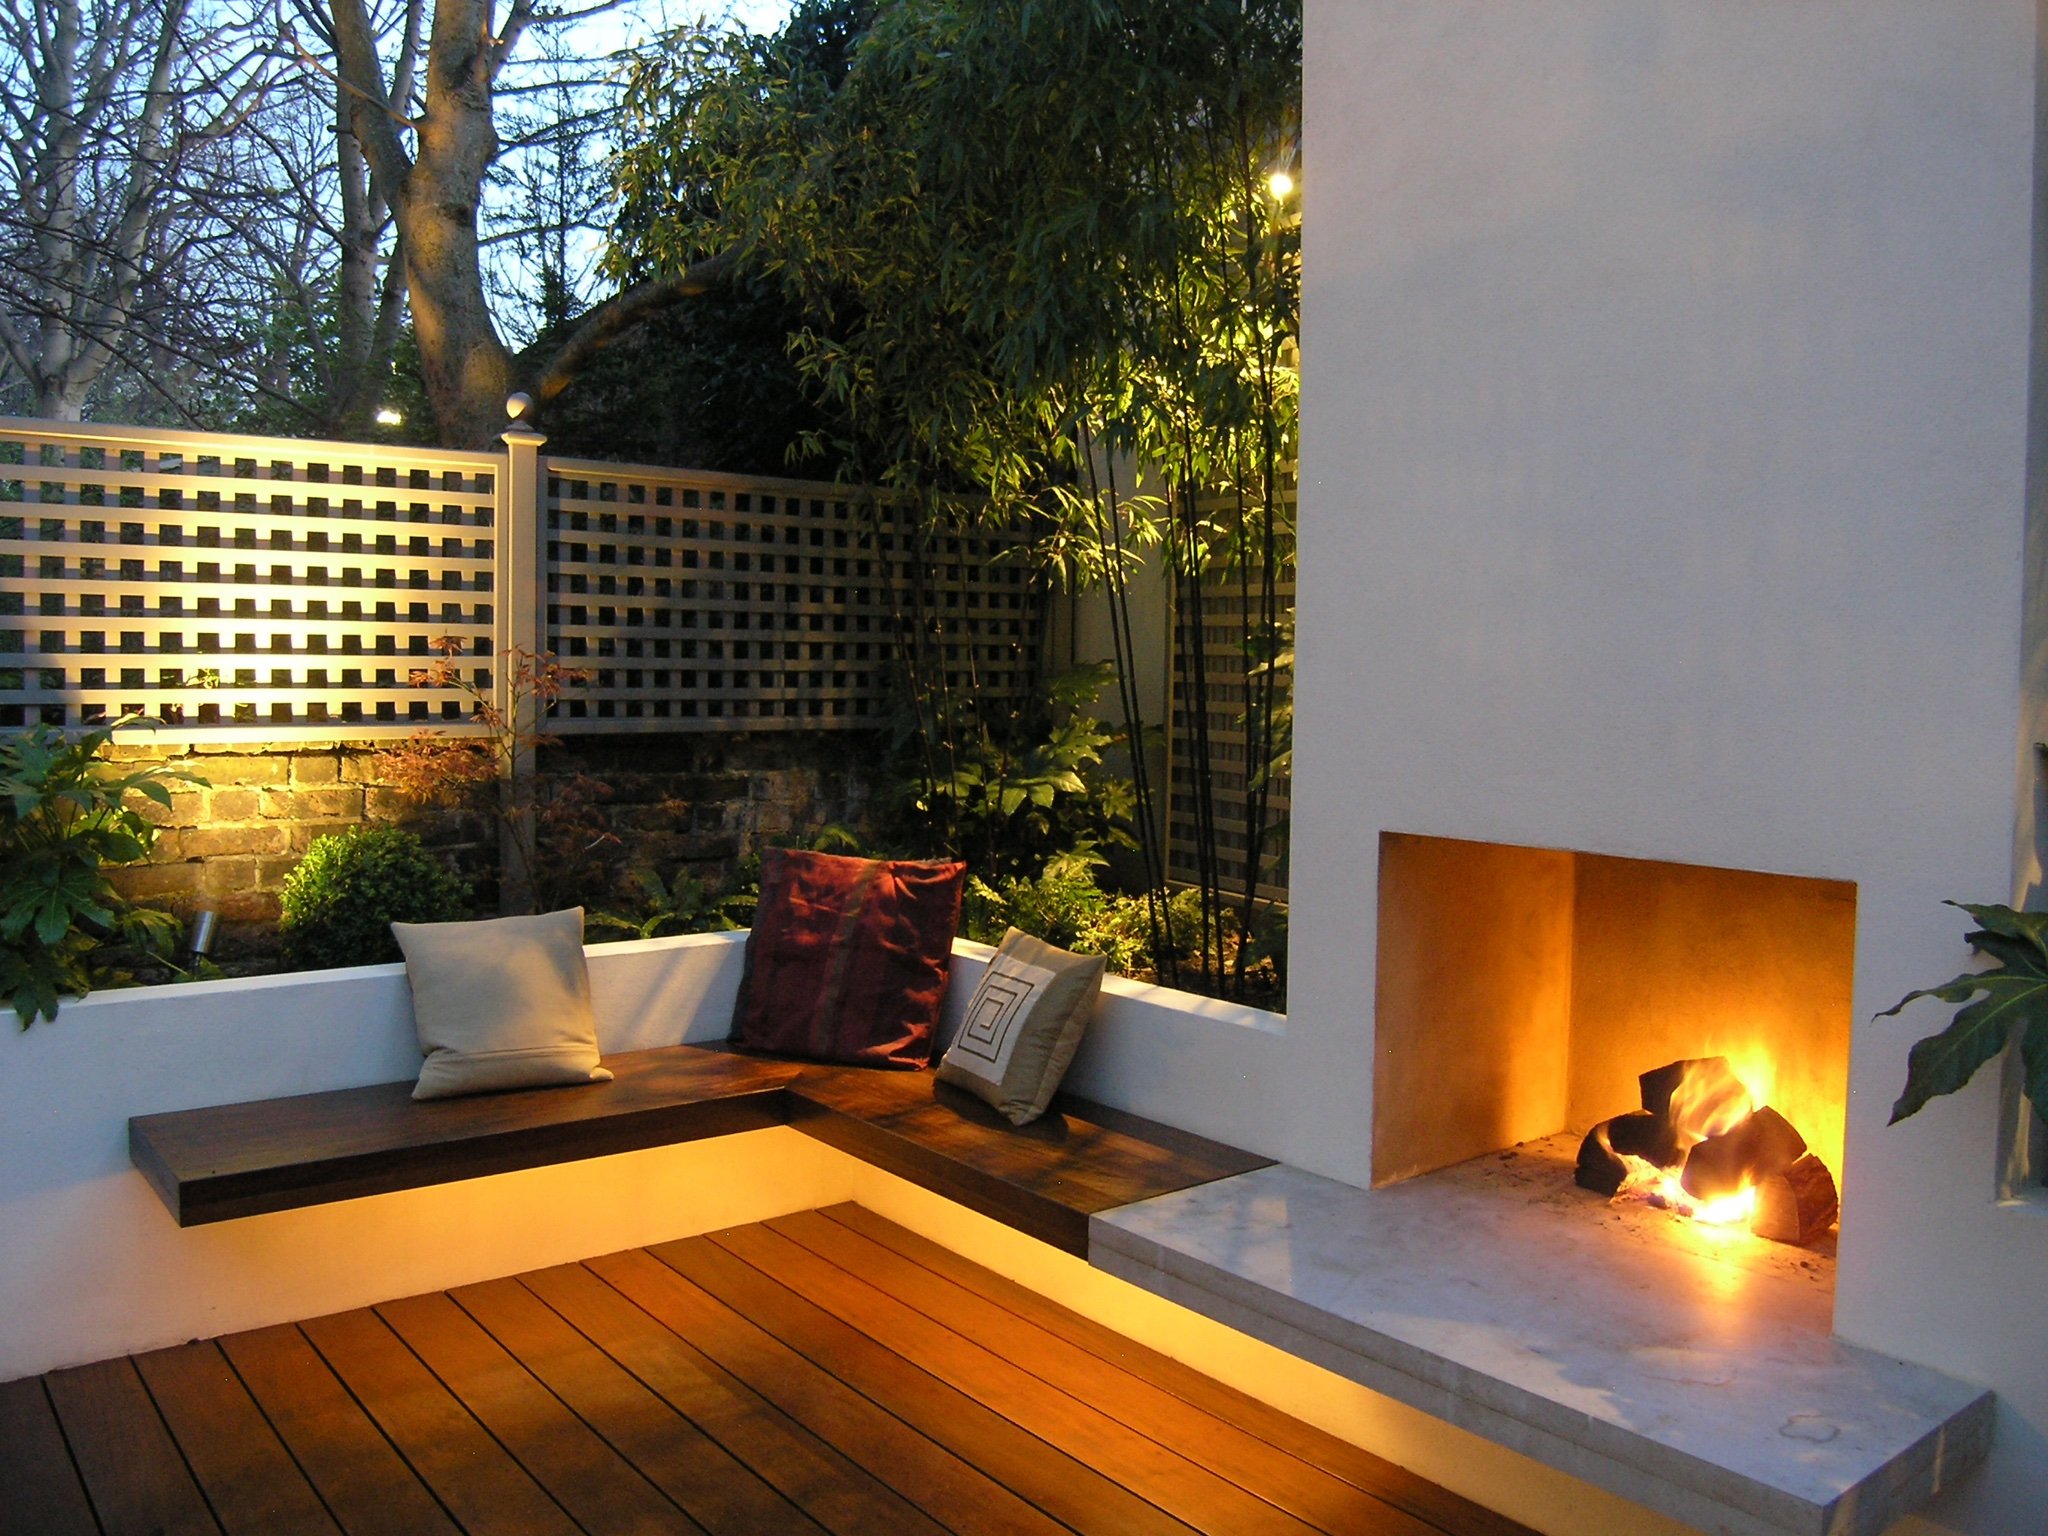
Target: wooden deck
<point>827,1372</point>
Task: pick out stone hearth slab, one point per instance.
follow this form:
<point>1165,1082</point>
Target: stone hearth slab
<point>1708,1389</point>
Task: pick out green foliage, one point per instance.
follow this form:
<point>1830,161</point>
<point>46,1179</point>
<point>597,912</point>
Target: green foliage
<point>306,385</point>
<point>710,384</point>
<point>1026,240</point>
<point>341,900</point>
<point>681,906</point>
<point>1064,905</point>
<point>1004,225</point>
<point>1008,800</point>
<point>64,816</point>
<point>2011,995</point>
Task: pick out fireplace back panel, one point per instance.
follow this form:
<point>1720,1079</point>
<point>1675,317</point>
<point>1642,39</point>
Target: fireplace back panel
<point>1520,991</point>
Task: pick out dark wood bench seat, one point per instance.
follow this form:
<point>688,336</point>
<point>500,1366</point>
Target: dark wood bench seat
<point>1046,1179</point>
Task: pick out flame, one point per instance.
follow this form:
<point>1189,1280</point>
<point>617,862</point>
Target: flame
<point>1728,1210</point>
<point>1660,1186</point>
<point>1704,1103</point>
<point>1757,1071</point>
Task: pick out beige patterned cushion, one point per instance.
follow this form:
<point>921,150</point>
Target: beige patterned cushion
<point>1023,1025</point>
<point>502,1003</point>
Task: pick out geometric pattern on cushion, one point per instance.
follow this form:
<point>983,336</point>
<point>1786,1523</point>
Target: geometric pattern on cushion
<point>1023,1025</point>
<point>848,958</point>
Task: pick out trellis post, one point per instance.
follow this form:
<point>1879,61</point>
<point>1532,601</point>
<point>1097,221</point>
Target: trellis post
<point>521,633</point>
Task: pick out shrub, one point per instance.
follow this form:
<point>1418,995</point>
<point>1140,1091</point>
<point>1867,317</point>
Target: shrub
<point>64,816</point>
<point>1063,905</point>
<point>341,900</point>
<point>681,906</point>
<point>1007,800</point>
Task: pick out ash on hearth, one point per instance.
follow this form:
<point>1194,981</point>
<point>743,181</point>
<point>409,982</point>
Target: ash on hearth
<point>1702,1147</point>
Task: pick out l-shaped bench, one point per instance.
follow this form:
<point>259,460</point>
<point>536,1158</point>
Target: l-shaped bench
<point>1045,1179</point>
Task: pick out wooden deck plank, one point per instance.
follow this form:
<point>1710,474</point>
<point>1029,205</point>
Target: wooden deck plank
<point>956,1493</point>
<point>1177,1480</point>
<point>137,1482</point>
<point>248,1477</point>
<point>820,1374</point>
<point>596,1487</point>
<point>833,1490</point>
<point>362,1479</point>
<point>473,1477</point>
<point>1326,1452</point>
<point>1260,1469</point>
<point>40,1494</point>
<point>1068,1490</point>
<point>716,1489</point>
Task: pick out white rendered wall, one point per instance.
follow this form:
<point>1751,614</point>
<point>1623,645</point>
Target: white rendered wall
<point>1662,482</point>
<point>92,1264</point>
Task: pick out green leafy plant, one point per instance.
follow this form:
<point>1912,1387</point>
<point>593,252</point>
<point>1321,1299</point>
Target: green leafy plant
<point>1009,801</point>
<point>2010,995</point>
<point>341,900</point>
<point>1064,905</point>
<point>64,816</point>
<point>682,905</point>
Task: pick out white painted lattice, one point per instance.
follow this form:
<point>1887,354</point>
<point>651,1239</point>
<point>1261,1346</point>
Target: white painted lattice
<point>713,602</point>
<point>245,584</point>
<point>272,589</point>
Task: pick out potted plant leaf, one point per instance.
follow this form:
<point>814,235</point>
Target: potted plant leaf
<point>2007,997</point>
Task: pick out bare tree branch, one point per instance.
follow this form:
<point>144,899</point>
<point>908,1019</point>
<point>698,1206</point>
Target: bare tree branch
<point>612,319</point>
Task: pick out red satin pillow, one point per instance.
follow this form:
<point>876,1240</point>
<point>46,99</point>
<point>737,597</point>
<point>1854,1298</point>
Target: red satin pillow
<point>848,958</point>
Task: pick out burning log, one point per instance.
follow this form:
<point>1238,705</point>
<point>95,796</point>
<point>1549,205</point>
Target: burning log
<point>1701,1095</point>
<point>1700,1146</point>
<point>1641,1134</point>
<point>1600,1170</point>
<point>1761,1146</point>
<point>1797,1205</point>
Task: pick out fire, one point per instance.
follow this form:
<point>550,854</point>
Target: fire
<point>1703,1145</point>
<point>1707,1102</point>
<point>1661,1187</point>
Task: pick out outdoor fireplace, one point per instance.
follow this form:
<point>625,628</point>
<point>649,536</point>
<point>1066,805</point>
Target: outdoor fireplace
<point>1673,1032</point>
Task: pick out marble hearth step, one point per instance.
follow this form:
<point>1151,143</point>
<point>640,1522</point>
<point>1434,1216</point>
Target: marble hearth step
<point>1709,1390</point>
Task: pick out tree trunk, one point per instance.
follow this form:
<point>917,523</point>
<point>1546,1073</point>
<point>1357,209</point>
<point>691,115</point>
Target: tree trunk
<point>434,193</point>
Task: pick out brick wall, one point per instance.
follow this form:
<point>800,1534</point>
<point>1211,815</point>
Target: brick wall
<point>695,804</point>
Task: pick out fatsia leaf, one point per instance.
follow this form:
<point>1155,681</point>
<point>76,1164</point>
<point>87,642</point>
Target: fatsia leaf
<point>2006,1000</point>
<point>2034,1058</point>
<point>2026,928</point>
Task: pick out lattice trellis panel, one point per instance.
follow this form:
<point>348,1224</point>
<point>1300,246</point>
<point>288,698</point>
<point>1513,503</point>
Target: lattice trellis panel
<point>1228,689</point>
<point>708,602</point>
<point>261,584</point>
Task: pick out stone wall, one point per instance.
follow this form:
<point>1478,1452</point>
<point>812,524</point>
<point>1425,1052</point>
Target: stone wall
<point>696,805</point>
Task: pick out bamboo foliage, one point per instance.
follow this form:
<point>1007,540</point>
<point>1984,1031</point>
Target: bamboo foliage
<point>1034,239</point>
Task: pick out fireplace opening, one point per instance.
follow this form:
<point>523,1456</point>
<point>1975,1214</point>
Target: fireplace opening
<point>1670,1034</point>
